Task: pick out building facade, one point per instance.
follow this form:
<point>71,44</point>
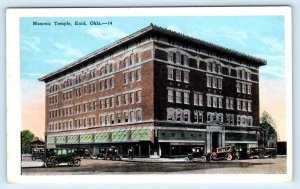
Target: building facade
<point>157,91</point>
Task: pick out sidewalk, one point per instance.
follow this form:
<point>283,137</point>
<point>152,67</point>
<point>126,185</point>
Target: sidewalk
<point>26,164</point>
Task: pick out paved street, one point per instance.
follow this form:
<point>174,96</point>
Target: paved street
<point>166,166</point>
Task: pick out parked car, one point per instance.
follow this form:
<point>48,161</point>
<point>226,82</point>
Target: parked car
<point>111,153</point>
<point>197,155</point>
<point>84,153</point>
<point>54,157</point>
<point>262,152</point>
<point>37,153</point>
<point>227,153</point>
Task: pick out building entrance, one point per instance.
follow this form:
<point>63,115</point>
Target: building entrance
<point>215,140</point>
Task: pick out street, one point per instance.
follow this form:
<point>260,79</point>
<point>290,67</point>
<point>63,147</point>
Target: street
<point>166,166</point>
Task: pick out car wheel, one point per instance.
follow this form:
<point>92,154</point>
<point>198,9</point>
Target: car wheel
<point>54,163</point>
<point>77,162</point>
<point>228,157</point>
<point>33,158</point>
<point>261,156</point>
<point>203,159</point>
<point>186,160</point>
<point>273,156</point>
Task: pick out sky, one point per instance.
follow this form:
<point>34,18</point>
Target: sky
<point>44,49</point>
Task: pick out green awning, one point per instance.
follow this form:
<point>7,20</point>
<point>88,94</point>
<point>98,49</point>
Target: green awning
<point>72,139</point>
<point>120,135</point>
<point>60,139</point>
<point>102,136</point>
<point>140,134</point>
<point>86,138</point>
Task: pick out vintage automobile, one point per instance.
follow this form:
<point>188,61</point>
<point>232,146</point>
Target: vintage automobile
<point>227,152</point>
<point>197,155</point>
<point>84,153</point>
<point>54,157</point>
<point>111,153</point>
<point>262,152</point>
<point>37,153</point>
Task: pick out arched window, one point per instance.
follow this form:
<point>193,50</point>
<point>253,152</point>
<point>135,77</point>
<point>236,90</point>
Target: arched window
<point>102,71</point>
<point>138,115</point>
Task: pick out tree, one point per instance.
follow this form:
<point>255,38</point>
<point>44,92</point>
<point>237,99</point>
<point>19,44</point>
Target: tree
<point>266,128</point>
<point>26,138</point>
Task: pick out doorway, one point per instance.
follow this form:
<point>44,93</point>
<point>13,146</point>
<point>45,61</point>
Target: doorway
<point>215,140</point>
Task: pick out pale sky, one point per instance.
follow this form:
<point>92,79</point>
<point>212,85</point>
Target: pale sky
<point>47,48</point>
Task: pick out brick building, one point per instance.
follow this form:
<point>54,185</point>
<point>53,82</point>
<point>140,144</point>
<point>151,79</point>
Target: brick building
<point>155,90</point>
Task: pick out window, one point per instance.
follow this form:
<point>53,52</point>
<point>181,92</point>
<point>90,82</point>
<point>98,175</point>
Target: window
<point>107,103</point>
<point>214,82</point>
<point>170,114</point>
<point>200,99</point>
<point>213,67</point>
<point>196,100</point>
<point>112,102</point>
<point>249,89</point>
<point>243,74</point>
<point>178,75</point>
<point>220,102</point>
<point>131,77</point>
<point>231,104</point>
<point>138,75</point>
<point>101,120</point>
<point>102,104</point>
<point>182,58</point>
<point>170,95</point>
<point>215,101</point>
<point>178,97</point>
<point>125,117</point>
<point>238,87</point>
<point>248,76</point>
<point>238,105</point>
<point>186,115</point>
<point>208,66</point>
<point>125,99</point>
<point>138,96</point>
<point>186,98</point>
<point>219,69</point>
<point>170,73</point>
<point>119,117</point>
<point>249,106</point>
<point>131,99</point>
<point>174,57</point>
<point>170,56</point>
<point>220,84</point>
<point>125,77</point>
<point>106,121</point>
<point>138,115</point>
<point>198,116</point>
<point>208,101</point>
<point>244,106</point>
<point>244,88</point>
<point>186,77</point>
<point>118,103</point>
<point>132,116</point>
<point>208,81</point>
<point>227,103</point>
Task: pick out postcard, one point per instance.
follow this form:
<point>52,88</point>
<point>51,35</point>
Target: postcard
<point>149,95</point>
